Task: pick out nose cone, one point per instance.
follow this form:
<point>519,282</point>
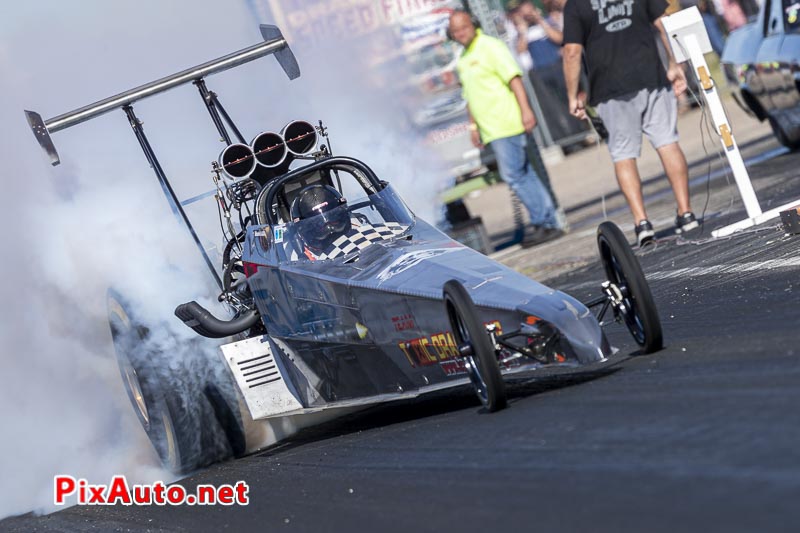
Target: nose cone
<point>575,323</point>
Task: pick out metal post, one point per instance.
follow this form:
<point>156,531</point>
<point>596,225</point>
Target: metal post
<point>542,131</point>
<point>174,203</point>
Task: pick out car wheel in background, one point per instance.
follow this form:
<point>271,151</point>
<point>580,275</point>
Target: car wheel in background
<point>788,137</point>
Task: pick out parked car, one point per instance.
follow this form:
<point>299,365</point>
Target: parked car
<point>763,57</point>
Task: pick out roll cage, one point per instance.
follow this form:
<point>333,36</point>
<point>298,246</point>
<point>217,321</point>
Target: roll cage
<point>274,201</point>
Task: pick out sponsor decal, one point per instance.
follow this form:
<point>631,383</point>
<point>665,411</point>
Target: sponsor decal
<point>403,322</point>
<point>410,260</point>
<point>321,21</point>
<point>445,134</point>
<point>277,232</point>
<point>439,348</point>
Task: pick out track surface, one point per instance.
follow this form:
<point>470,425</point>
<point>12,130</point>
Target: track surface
<point>704,435</point>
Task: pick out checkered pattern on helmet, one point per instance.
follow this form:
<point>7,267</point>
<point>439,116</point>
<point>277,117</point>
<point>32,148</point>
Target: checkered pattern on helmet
<point>358,238</point>
<point>362,237</point>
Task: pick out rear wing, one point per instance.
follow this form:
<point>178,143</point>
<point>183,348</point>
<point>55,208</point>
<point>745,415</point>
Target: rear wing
<point>274,43</point>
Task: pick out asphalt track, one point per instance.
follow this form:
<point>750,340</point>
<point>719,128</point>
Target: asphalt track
<point>704,435</point>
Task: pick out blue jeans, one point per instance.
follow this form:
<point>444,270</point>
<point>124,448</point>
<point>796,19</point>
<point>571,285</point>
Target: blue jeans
<point>715,35</point>
<point>518,173</point>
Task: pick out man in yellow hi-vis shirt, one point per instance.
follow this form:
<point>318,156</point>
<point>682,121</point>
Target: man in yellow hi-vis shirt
<point>501,116</point>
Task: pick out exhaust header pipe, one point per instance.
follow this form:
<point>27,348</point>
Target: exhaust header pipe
<point>300,136</point>
<point>204,323</point>
<point>269,148</point>
<point>274,152</point>
<point>237,160</point>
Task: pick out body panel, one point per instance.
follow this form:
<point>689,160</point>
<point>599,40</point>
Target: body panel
<point>374,323</point>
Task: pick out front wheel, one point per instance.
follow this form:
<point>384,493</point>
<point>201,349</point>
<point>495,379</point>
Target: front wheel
<point>634,300</point>
<point>472,342</point>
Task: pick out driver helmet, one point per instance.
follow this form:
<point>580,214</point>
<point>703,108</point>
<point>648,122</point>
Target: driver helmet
<point>323,211</point>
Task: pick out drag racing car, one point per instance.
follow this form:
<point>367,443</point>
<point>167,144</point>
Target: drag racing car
<point>339,296</point>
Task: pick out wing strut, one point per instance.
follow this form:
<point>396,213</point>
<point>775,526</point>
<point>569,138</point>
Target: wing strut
<point>169,193</point>
<point>218,113</point>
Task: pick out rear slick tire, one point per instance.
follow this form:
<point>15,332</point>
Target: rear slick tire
<point>183,424</point>
<point>472,339</point>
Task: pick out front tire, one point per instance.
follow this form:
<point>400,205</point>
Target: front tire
<point>637,308</point>
<point>472,340</point>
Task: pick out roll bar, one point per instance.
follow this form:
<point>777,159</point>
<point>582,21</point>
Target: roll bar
<point>266,197</point>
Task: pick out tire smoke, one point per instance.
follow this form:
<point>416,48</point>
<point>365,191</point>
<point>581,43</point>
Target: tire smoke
<point>99,220</point>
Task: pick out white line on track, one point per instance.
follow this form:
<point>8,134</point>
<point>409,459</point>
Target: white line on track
<point>735,268</point>
<point>713,270</point>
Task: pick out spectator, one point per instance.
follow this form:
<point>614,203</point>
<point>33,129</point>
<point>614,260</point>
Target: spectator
<point>630,89</point>
<point>501,116</point>
<point>538,44</point>
<point>733,14</point>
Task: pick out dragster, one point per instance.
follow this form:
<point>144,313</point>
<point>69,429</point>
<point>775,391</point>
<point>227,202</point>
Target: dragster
<point>338,295</point>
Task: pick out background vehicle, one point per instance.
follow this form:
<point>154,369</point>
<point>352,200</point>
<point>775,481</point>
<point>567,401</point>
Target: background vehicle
<point>765,58</point>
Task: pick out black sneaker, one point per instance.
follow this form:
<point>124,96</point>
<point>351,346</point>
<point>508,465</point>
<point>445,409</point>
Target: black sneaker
<point>644,232</point>
<point>540,235</point>
<point>686,222</point>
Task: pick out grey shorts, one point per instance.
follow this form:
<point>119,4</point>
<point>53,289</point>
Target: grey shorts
<point>653,112</point>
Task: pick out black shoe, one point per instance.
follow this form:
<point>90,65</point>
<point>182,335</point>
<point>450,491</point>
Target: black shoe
<point>644,232</point>
<point>540,235</point>
<point>686,222</point>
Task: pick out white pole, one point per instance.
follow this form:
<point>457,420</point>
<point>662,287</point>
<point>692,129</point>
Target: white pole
<point>722,125</point>
<point>689,39</point>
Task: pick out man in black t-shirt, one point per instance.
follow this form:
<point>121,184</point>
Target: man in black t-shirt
<point>631,91</point>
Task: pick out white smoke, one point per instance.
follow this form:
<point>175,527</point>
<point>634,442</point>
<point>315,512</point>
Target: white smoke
<point>99,220</point>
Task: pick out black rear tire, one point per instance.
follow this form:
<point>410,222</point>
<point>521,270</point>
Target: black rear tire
<point>469,333</point>
<point>790,140</point>
<point>189,424</point>
<point>638,308</point>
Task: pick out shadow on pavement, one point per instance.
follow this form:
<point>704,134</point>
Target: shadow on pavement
<point>430,405</point>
